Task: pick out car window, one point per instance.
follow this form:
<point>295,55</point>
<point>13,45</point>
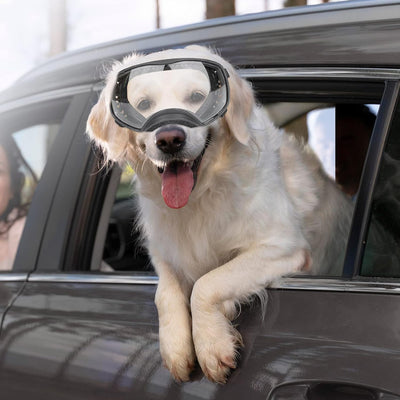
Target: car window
<point>339,134</point>
<point>382,251</point>
<point>335,118</point>
<point>26,137</point>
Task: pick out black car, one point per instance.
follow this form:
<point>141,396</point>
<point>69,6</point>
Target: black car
<point>78,319</point>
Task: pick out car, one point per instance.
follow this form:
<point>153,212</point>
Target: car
<point>78,319</point>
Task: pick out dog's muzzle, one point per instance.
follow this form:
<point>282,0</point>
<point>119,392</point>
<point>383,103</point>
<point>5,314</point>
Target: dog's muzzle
<point>179,176</point>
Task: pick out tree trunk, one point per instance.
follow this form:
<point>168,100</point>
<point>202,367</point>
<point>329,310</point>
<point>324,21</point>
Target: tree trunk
<point>158,19</point>
<point>58,27</point>
<point>219,8</point>
<point>294,3</point>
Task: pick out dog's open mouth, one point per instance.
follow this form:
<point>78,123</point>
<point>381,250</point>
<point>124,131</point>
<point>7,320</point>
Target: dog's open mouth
<point>179,179</point>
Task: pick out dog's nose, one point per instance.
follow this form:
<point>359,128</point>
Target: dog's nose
<point>170,140</point>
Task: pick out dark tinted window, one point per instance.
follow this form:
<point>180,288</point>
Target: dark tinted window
<point>382,252</point>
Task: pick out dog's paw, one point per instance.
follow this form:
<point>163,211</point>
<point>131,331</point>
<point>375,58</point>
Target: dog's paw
<point>178,356</point>
<point>217,352</point>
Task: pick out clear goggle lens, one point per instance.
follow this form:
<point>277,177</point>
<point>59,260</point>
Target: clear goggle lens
<point>188,92</point>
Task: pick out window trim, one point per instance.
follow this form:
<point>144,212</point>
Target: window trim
<point>44,97</point>
<point>379,74</point>
<point>95,277</point>
<point>287,283</point>
<point>9,276</point>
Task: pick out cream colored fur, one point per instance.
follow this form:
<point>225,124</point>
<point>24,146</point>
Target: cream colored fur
<point>262,208</point>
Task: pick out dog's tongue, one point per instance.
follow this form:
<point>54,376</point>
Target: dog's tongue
<point>177,184</point>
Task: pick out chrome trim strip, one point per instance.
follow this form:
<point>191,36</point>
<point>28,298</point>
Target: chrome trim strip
<point>337,285</point>
<point>13,277</point>
<point>291,283</point>
<point>326,73</point>
<point>45,96</point>
<point>95,278</point>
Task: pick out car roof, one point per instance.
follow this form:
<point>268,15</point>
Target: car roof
<point>361,33</point>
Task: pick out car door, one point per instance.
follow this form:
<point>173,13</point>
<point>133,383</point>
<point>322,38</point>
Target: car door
<point>85,325</point>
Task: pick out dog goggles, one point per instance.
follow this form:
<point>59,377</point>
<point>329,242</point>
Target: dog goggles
<point>189,92</point>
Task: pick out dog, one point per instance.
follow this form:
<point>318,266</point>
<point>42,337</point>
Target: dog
<point>225,209</point>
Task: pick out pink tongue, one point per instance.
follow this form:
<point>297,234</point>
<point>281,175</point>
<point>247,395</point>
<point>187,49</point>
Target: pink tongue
<point>177,184</point>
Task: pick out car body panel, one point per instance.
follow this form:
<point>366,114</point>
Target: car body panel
<point>101,341</point>
<point>10,287</point>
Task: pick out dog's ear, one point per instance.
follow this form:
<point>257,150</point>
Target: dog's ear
<point>240,107</point>
<point>101,126</point>
<point>103,130</point>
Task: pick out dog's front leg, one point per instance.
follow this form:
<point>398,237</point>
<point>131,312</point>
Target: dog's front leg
<point>216,340</point>
<point>175,325</point>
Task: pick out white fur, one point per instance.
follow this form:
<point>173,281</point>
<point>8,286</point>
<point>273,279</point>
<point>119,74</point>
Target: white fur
<point>262,208</point>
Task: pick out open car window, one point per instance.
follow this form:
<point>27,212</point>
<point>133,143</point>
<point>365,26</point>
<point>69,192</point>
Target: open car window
<point>338,130</point>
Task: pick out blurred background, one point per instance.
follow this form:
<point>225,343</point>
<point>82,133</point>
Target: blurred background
<point>31,31</point>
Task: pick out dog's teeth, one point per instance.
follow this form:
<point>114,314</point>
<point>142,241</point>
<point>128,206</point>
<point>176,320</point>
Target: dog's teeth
<point>160,170</point>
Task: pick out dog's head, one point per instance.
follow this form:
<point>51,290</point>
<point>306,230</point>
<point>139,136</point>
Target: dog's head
<point>169,147</point>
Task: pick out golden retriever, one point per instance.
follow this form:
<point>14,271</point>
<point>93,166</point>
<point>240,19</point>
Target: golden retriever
<point>257,207</point>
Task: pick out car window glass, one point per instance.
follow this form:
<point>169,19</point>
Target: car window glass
<point>338,133</point>
<point>26,137</point>
<point>382,251</point>
<point>321,127</point>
